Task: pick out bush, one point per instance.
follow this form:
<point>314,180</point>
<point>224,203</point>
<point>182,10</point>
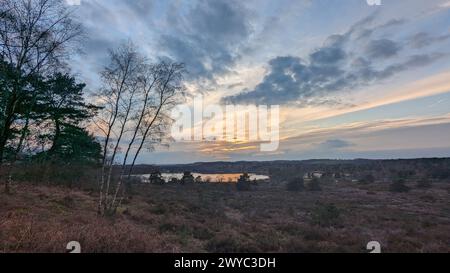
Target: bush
<point>174,181</point>
<point>243,183</point>
<point>156,178</point>
<point>295,184</point>
<point>231,242</point>
<point>367,179</point>
<point>314,185</point>
<point>73,175</point>
<point>326,215</point>
<point>198,179</point>
<point>399,186</point>
<point>424,183</point>
<point>129,184</point>
<point>187,178</point>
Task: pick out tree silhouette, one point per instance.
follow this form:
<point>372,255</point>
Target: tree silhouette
<point>61,106</point>
<point>198,179</point>
<point>156,178</point>
<point>314,184</point>
<point>34,40</point>
<point>243,183</point>
<point>187,178</point>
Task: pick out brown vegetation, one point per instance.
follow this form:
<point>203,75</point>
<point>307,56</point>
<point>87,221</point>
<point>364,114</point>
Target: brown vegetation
<point>218,218</point>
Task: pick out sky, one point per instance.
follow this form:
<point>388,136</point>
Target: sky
<point>352,80</point>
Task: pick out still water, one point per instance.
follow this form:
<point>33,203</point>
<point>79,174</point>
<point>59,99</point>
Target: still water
<point>206,177</point>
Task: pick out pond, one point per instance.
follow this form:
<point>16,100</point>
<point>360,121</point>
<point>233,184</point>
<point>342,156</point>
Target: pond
<point>206,177</point>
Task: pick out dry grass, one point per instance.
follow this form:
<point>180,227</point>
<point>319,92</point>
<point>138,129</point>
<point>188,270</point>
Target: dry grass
<point>217,218</point>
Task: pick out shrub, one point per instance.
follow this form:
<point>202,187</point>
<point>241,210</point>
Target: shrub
<point>187,178</point>
<point>159,209</point>
<point>424,183</point>
<point>243,183</point>
<point>130,183</point>
<point>231,242</point>
<point>174,180</point>
<point>326,215</point>
<point>399,186</point>
<point>198,179</point>
<point>70,175</point>
<point>156,178</point>
<point>428,198</point>
<point>367,179</point>
<point>314,185</point>
<point>295,184</point>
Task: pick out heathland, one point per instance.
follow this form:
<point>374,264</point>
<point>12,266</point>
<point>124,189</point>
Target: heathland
<point>343,214</point>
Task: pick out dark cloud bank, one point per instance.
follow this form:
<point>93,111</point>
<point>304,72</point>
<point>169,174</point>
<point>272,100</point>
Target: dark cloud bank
<point>208,37</point>
<point>338,65</point>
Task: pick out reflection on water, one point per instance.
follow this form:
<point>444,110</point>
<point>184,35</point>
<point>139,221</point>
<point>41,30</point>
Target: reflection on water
<point>220,178</point>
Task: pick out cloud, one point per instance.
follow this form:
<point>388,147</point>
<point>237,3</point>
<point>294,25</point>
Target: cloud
<point>291,80</point>
<point>338,65</point>
<point>363,128</point>
<point>205,35</point>
<point>424,39</point>
<point>328,55</point>
<point>208,37</point>
<point>140,7</point>
<point>364,33</point>
<point>383,48</point>
<point>378,98</point>
<point>335,144</point>
<point>445,5</point>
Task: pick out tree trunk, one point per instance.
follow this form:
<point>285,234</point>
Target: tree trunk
<point>108,181</point>
<point>7,184</point>
<point>6,130</point>
<point>55,137</point>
